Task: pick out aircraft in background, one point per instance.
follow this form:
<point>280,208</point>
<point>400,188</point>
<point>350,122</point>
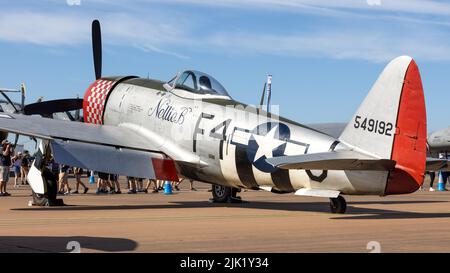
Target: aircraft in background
<point>190,127</point>
<point>439,141</point>
<point>7,105</point>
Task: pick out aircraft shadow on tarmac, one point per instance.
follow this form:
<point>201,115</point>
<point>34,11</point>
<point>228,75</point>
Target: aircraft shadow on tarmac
<point>58,244</point>
<point>353,212</point>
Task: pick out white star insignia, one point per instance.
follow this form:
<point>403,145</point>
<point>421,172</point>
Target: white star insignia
<point>267,144</point>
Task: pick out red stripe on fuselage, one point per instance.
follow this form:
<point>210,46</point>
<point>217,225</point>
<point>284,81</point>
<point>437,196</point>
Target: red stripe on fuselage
<point>409,148</point>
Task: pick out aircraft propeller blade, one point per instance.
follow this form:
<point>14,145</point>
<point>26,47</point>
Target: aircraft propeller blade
<point>77,112</point>
<point>23,94</point>
<point>97,48</point>
<point>47,108</point>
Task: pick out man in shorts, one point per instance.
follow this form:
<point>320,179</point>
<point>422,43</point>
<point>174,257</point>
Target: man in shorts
<point>103,183</point>
<point>16,162</point>
<point>5,163</point>
<point>77,172</point>
<point>24,167</point>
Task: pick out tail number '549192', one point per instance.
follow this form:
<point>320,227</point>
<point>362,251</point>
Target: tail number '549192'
<point>374,126</point>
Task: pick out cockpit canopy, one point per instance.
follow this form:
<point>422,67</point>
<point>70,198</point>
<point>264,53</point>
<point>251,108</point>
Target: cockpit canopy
<point>200,83</point>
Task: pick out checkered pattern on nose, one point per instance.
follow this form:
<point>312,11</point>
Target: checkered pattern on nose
<point>95,99</point>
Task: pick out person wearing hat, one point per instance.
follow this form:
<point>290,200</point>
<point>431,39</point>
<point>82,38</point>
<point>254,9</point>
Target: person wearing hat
<point>5,163</point>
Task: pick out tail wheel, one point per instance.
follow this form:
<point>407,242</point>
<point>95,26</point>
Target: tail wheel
<point>221,193</point>
<point>338,205</point>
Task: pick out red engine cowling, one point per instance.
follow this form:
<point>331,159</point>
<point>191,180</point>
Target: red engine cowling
<point>95,100</point>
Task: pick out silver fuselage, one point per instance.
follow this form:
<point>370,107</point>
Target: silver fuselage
<point>229,138</point>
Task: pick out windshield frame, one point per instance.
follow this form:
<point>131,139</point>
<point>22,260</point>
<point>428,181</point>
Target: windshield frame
<point>198,89</point>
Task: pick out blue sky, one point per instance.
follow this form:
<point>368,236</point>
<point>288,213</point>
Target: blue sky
<point>324,55</point>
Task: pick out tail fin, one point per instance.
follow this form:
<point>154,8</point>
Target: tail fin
<point>391,124</point>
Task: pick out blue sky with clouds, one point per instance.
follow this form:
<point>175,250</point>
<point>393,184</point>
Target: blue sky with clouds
<point>324,55</point>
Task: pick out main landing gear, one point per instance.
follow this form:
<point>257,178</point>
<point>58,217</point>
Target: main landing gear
<point>222,194</point>
<point>50,197</point>
<point>338,205</point>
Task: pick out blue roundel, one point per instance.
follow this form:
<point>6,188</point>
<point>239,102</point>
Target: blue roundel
<point>277,145</point>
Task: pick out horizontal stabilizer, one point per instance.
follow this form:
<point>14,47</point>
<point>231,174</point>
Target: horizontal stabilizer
<point>434,164</point>
<point>340,160</point>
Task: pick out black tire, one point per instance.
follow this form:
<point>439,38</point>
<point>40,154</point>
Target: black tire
<point>338,205</point>
<point>221,194</point>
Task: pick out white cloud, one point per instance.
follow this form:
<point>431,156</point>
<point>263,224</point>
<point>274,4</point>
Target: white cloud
<point>405,6</point>
<point>42,29</point>
<point>172,35</point>
<point>408,6</point>
<point>73,2</point>
<point>56,29</point>
<point>352,44</point>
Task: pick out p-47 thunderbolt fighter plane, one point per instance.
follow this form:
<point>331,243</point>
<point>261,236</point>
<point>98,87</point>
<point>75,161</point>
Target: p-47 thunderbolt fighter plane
<point>190,127</point>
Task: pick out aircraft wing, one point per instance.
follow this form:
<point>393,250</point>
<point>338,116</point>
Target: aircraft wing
<point>435,164</point>
<point>122,150</point>
<point>338,160</point>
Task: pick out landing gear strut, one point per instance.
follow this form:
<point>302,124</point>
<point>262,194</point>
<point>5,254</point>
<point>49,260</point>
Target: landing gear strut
<point>338,205</point>
<point>222,194</point>
<point>49,198</point>
<point>42,180</point>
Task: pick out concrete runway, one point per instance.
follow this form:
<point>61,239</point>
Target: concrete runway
<point>187,222</point>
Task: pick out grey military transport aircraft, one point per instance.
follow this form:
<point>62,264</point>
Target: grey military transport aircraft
<point>439,141</point>
<point>190,127</point>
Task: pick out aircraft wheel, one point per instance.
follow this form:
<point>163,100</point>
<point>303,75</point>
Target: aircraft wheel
<point>221,193</point>
<point>338,205</point>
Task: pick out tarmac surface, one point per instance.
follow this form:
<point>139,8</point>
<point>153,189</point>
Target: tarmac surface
<point>187,222</point>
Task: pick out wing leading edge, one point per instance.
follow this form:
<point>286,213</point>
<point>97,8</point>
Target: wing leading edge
<point>123,150</point>
<point>126,137</point>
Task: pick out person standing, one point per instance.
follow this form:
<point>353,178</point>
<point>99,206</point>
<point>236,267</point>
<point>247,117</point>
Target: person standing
<point>132,185</point>
<point>103,183</point>
<point>16,161</point>
<point>432,178</point>
<point>5,163</point>
<point>24,167</point>
<point>149,184</point>
<point>139,184</point>
<point>77,172</point>
<point>63,181</point>
<point>115,185</point>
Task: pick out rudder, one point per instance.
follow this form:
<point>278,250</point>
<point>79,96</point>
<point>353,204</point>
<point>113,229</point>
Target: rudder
<point>391,124</point>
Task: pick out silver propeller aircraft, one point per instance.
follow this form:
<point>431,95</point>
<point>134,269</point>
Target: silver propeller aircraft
<point>439,141</point>
<point>190,127</point>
